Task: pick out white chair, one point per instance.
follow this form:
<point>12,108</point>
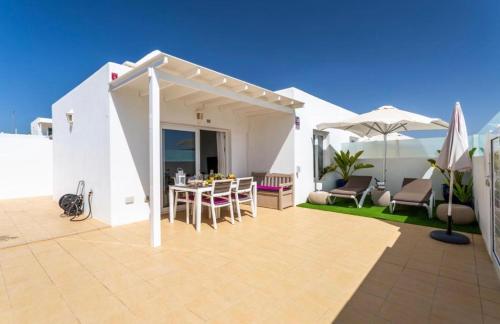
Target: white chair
<point>185,197</point>
<point>219,197</point>
<point>243,193</point>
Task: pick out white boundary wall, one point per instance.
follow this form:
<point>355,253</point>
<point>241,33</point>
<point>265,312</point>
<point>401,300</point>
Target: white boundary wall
<point>25,166</point>
<point>405,159</point>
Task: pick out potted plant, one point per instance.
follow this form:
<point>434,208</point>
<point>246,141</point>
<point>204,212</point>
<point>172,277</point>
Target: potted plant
<point>463,202</point>
<point>462,187</point>
<point>345,164</point>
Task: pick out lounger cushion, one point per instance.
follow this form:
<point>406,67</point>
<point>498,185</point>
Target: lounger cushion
<point>271,188</point>
<point>414,191</point>
<point>347,191</point>
<point>355,186</point>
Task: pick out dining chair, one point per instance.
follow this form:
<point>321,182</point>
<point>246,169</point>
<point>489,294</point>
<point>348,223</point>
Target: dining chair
<point>243,193</point>
<point>217,198</point>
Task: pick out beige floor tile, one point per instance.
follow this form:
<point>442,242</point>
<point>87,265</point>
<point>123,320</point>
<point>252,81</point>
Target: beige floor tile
<point>350,315</point>
<point>492,295</point>
<point>295,266</point>
<point>491,309</point>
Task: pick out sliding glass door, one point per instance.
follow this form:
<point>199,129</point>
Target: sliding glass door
<point>180,151</point>
<point>194,150</point>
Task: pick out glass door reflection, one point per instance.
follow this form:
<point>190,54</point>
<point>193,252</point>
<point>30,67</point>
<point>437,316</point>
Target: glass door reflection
<point>179,151</point>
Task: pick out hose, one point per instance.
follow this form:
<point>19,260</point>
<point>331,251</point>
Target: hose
<point>89,199</point>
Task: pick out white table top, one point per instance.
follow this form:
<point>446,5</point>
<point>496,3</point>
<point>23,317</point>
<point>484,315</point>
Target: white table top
<point>194,188</point>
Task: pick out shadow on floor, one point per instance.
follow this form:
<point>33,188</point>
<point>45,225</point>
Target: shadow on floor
<point>418,279</point>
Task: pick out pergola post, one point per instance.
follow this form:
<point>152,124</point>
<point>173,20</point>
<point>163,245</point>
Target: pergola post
<point>154,159</point>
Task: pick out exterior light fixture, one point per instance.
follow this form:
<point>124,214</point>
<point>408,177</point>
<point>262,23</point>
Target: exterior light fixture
<point>69,117</point>
<point>297,122</point>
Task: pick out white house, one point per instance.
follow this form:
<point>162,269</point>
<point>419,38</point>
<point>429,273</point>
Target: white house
<point>128,127</point>
<point>41,126</point>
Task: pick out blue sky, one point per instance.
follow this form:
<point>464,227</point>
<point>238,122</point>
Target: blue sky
<point>418,55</point>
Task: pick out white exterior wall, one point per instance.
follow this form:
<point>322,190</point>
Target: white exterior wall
<point>82,152</point>
<point>25,166</point>
<point>482,199</point>
<point>271,143</point>
<point>315,111</point>
<point>40,126</point>
<point>483,185</point>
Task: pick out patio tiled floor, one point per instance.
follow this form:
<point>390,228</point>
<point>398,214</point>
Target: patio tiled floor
<point>34,219</point>
<point>296,266</point>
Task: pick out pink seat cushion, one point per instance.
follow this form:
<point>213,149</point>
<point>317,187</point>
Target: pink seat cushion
<point>240,196</point>
<point>217,200</point>
<point>271,188</point>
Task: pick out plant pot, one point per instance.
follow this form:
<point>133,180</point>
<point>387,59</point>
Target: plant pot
<point>461,214</point>
<point>340,183</point>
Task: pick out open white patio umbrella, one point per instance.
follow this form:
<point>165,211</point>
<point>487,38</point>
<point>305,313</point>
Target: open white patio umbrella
<point>454,156</point>
<point>386,120</point>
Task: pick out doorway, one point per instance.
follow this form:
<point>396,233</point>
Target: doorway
<point>198,152</point>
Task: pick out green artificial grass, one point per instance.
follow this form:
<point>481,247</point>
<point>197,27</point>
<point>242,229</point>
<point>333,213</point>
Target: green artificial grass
<point>402,214</point>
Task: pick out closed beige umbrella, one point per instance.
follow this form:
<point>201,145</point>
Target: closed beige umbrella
<point>454,156</point>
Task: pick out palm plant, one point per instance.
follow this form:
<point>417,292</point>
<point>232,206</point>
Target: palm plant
<point>345,164</point>
<point>462,185</point>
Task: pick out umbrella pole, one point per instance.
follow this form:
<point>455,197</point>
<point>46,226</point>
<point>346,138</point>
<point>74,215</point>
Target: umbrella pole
<point>450,201</point>
<point>449,236</point>
<point>385,158</point>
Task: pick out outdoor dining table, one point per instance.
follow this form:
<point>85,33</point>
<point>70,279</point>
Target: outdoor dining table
<point>198,191</point>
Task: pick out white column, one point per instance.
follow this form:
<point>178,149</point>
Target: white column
<point>154,159</point>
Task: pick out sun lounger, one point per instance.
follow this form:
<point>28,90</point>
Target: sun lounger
<point>355,186</point>
<point>415,192</point>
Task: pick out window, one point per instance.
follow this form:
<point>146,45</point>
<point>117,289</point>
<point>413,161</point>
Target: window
<point>318,149</point>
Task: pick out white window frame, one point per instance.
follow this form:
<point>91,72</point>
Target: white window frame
<point>316,170</point>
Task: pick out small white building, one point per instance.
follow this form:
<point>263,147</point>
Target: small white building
<point>41,126</point>
<point>128,127</point>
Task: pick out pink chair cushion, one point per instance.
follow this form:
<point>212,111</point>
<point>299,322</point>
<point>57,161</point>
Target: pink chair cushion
<point>271,188</point>
<point>217,200</point>
<point>240,196</point>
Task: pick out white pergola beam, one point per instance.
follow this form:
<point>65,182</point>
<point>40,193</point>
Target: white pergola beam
<point>214,103</point>
<point>193,74</point>
<point>201,98</point>
<point>260,94</point>
<point>179,95</point>
<point>183,92</point>
<point>189,75</point>
<point>235,105</point>
<point>154,159</point>
<point>221,92</point>
<point>136,72</point>
<point>218,82</point>
<point>257,113</point>
<point>241,88</point>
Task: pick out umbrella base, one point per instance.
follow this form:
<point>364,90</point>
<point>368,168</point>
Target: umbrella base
<point>453,238</point>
